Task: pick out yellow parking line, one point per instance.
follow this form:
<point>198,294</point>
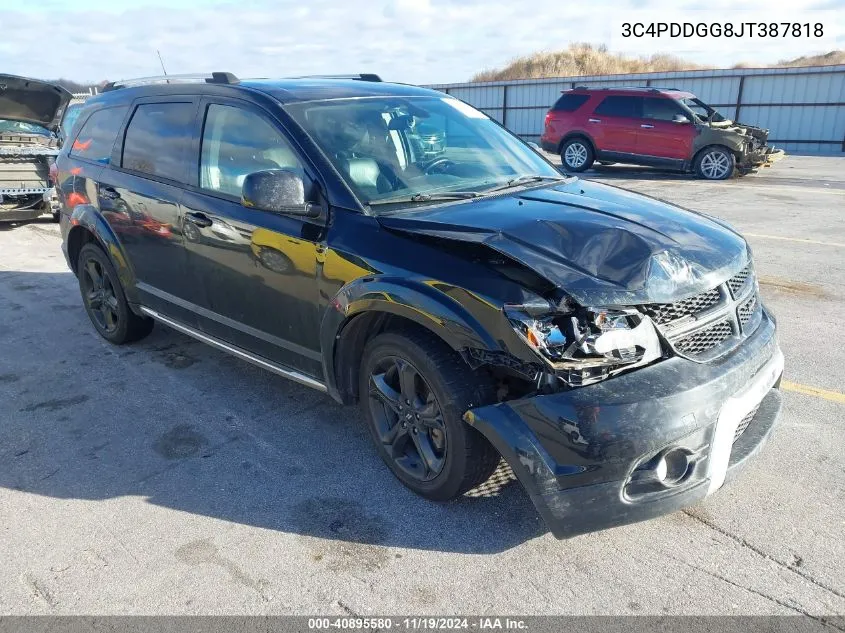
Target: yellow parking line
<point>794,239</point>
<point>833,396</point>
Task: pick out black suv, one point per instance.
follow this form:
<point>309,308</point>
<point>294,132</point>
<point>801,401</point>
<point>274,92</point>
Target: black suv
<point>477,303</point>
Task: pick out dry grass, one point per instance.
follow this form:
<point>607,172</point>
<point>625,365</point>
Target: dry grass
<point>587,59</point>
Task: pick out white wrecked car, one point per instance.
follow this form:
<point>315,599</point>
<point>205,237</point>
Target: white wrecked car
<point>30,114</point>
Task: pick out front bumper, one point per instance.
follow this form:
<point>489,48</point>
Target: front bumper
<point>579,453</point>
<point>764,156</point>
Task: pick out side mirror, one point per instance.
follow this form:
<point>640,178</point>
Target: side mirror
<point>680,118</point>
<point>278,191</point>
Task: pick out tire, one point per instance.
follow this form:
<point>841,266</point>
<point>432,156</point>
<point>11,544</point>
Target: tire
<point>577,155</point>
<point>459,457</point>
<point>715,163</point>
<point>104,299</point>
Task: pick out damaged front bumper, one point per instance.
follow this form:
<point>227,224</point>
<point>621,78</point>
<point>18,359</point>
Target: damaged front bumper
<point>764,156</point>
<point>596,457</point>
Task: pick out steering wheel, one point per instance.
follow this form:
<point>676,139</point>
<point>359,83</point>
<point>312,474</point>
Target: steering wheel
<point>440,162</point>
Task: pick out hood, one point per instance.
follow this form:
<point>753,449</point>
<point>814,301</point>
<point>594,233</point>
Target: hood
<point>32,101</point>
<point>599,244</point>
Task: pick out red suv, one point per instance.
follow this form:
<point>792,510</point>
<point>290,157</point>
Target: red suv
<point>651,126</point>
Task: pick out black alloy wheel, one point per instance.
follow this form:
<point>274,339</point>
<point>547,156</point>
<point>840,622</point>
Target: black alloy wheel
<point>408,418</point>
<point>413,391</point>
<point>99,295</point>
<point>104,299</point>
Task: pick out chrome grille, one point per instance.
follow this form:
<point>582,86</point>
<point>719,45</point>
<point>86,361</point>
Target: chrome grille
<point>737,282</point>
<point>663,313</point>
<point>746,310</point>
<point>745,422</point>
<point>705,339</point>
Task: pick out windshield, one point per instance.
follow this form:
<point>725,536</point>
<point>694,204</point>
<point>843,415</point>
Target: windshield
<point>71,115</point>
<point>701,110</point>
<point>20,127</point>
<point>396,150</point>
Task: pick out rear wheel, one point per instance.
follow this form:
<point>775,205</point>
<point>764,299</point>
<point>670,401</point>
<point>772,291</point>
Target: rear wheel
<point>104,299</point>
<point>414,391</point>
<point>715,163</point>
<point>577,155</point>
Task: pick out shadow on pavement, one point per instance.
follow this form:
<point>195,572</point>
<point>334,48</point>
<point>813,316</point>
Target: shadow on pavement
<point>191,429</point>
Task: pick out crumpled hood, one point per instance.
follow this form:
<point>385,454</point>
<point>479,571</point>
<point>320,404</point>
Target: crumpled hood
<point>600,244</point>
<point>32,101</point>
<point>736,127</point>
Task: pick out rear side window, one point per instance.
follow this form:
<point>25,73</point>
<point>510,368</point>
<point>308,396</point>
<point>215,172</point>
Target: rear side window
<point>570,102</point>
<point>660,109</point>
<point>96,138</point>
<point>158,138</point>
<point>620,106</point>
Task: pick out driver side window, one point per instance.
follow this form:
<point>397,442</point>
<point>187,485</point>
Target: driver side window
<point>237,142</point>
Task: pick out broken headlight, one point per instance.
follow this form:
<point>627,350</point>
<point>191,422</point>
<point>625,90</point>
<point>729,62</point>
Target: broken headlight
<point>585,345</point>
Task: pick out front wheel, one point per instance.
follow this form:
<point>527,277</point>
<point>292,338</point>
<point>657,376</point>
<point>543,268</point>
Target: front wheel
<point>577,155</point>
<point>715,163</point>
<point>414,391</point>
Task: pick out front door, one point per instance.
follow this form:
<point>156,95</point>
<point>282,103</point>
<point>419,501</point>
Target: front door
<point>258,267</point>
<point>659,135</point>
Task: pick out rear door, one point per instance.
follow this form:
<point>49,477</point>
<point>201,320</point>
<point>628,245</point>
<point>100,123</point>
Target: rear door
<point>659,136</point>
<point>614,124</point>
<point>259,268</point>
<point>139,197</point>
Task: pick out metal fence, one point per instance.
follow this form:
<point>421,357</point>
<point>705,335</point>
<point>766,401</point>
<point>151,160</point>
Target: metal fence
<point>804,108</point>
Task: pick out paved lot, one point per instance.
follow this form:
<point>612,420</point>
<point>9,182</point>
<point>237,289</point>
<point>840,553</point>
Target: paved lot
<point>166,477</point>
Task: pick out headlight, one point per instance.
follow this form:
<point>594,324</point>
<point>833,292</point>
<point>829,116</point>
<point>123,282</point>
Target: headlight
<point>586,345</point>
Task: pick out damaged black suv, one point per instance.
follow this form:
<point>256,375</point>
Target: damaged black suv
<point>476,302</point>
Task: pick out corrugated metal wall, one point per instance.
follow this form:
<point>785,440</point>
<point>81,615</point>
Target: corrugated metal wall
<point>804,108</point>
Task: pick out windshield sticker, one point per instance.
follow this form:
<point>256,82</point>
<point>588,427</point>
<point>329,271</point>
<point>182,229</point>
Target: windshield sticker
<point>464,109</point>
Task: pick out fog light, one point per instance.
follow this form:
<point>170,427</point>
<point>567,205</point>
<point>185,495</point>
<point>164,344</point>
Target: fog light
<point>673,467</point>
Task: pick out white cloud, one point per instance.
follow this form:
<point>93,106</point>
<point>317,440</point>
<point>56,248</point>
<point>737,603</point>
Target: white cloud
<point>417,41</point>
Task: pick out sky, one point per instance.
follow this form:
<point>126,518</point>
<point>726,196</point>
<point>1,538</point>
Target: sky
<point>414,41</point>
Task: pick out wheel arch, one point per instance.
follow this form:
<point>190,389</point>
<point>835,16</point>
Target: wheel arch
<point>365,308</point>
<point>89,226</point>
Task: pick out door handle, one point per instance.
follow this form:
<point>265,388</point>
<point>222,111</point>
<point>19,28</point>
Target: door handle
<point>594,120</point>
<point>646,126</point>
<point>200,219</point>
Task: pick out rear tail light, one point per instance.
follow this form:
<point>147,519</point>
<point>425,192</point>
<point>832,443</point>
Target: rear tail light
<point>548,118</point>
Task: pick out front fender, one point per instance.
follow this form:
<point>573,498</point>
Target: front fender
<point>86,217</point>
<point>436,306</point>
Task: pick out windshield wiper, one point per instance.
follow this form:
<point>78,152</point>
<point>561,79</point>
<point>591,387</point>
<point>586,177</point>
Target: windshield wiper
<point>522,180</point>
<point>429,197</point>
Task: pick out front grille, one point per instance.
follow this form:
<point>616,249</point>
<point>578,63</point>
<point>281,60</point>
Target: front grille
<point>737,282</point>
<point>704,340</point>
<point>663,313</point>
<point>746,310</point>
<point>745,422</point>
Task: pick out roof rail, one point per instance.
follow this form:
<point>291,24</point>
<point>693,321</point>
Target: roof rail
<point>214,78</point>
<point>357,76</point>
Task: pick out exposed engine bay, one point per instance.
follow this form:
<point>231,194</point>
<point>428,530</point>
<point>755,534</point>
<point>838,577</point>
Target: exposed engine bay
<point>30,114</point>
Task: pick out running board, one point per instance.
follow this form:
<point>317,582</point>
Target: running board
<point>292,374</point>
